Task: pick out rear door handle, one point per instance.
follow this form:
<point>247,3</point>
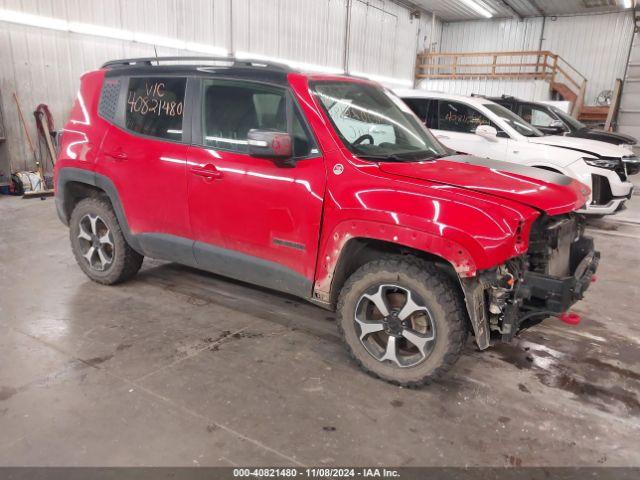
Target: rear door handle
<point>117,155</point>
<point>208,172</point>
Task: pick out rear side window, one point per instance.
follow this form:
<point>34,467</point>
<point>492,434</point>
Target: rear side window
<point>232,109</point>
<point>155,106</point>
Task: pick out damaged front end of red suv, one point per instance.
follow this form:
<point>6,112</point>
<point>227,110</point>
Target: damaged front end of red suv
<point>546,281</point>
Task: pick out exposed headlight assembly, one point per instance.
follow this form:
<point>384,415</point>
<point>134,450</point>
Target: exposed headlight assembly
<point>632,164</point>
<point>609,163</point>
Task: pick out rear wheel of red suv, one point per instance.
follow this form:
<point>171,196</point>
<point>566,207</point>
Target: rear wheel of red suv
<point>99,245</point>
<point>403,320</point>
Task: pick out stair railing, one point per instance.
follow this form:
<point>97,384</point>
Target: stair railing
<point>526,64</point>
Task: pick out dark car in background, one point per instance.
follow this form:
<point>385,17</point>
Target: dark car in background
<point>553,121</point>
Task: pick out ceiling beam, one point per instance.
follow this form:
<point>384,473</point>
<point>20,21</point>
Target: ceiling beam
<point>412,7</point>
<point>537,8</point>
<point>513,10</point>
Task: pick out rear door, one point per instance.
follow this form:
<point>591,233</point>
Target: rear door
<point>457,123</point>
<point>144,154</point>
<point>255,219</point>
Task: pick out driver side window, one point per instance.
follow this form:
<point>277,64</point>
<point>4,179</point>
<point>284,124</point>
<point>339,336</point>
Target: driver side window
<point>231,109</point>
<point>536,116</point>
<point>458,117</point>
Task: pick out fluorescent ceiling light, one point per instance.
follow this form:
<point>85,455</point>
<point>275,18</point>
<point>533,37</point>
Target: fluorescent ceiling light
<point>40,21</point>
<point>99,31</point>
<point>627,3</point>
<point>477,8</point>
<point>33,20</point>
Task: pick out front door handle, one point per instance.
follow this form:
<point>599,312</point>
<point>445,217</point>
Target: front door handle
<point>208,172</point>
<point>117,155</point>
<point>442,137</point>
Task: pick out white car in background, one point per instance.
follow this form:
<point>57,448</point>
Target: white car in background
<point>480,127</point>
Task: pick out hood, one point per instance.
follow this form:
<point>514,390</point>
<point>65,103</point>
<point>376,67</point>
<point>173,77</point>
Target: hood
<point>610,137</point>
<point>543,190</point>
<point>583,145</point>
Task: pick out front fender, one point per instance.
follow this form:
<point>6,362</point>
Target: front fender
<point>462,260</point>
<point>457,255</point>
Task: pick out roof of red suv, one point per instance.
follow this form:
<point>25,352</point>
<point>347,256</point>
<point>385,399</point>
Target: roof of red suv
<point>255,69</point>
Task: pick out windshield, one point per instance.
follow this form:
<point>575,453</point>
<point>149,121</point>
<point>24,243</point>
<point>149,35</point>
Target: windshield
<point>568,119</point>
<point>375,124</point>
<point>514,121</point>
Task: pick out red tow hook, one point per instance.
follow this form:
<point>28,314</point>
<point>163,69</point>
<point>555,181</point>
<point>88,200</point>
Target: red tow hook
<point>594,279</point>
<point>570,318</point>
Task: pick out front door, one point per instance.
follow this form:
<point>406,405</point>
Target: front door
<point>255,219</point>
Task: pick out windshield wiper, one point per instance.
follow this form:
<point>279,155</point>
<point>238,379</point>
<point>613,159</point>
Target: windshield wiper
<point>386,158</point>
<point>392,157</point>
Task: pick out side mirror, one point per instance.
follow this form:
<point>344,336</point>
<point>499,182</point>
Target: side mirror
<point>551,130</point>
<point>557,124</point>
<point>269,144</point>
<point>488,132</point>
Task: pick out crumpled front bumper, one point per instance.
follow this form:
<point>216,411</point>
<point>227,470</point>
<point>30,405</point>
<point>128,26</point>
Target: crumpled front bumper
<point>535,297</point>
<point>553,295</point>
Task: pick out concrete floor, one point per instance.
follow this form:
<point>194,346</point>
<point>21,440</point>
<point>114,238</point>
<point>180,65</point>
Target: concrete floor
<point>180,367</point>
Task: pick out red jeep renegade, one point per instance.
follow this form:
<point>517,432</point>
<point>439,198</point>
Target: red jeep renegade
<point>324,187</point>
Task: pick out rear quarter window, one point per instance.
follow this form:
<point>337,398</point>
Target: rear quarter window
<point>155,106</point>
<point>109,98</point>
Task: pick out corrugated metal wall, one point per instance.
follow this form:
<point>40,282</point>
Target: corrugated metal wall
<point>492,35</point>
<point>629,115</point>
<point>596,45</point>
<point>530,89</point>
<point>44,66</point>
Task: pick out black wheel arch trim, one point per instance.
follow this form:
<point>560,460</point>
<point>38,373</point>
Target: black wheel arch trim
<point>91,178</point>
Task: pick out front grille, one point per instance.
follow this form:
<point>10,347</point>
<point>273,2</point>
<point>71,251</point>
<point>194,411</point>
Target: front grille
<point>600,190</point>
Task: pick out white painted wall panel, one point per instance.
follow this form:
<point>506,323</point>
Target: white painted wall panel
<point>310,31</point>
<point>430,34</point>
<point>629,114</point>
<point>492,35</point>
<point>530,89</point>
<point>382,39</point>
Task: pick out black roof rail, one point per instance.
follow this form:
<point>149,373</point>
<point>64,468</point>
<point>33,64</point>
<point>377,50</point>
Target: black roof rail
<point>479,95</point>
<point>197,60</point>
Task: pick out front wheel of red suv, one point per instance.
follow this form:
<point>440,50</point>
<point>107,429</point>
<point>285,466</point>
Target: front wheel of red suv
<point>99,245</point>
<point>403,320</point>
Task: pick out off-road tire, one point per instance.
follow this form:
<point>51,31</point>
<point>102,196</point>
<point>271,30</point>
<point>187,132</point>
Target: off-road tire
<point>440,295</point>
<point>125,261</point>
